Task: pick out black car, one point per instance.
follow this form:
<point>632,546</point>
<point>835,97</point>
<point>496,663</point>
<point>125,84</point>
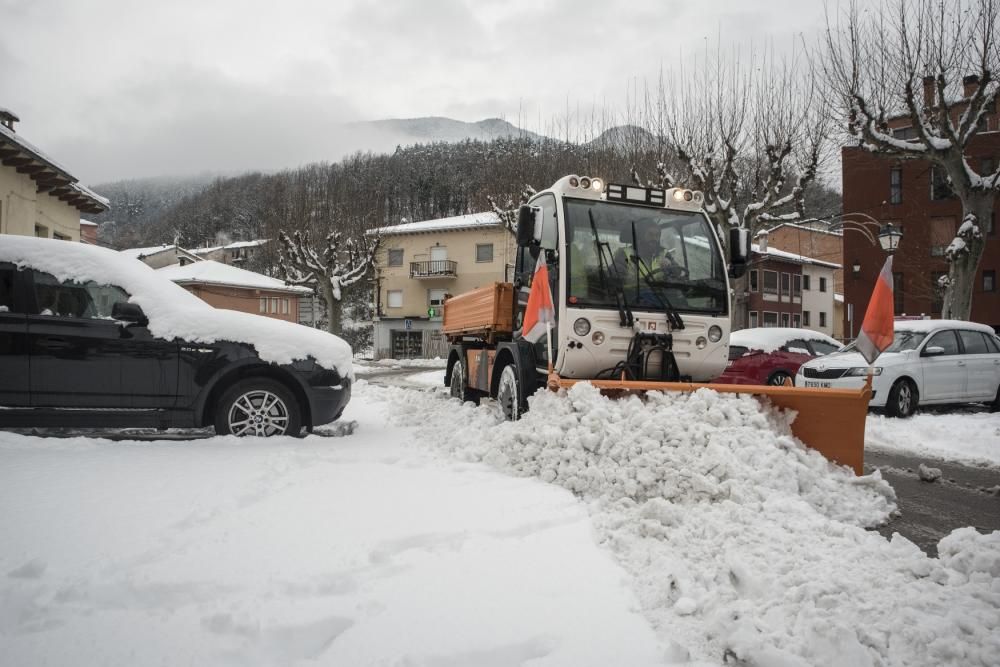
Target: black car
<point>78,350</point>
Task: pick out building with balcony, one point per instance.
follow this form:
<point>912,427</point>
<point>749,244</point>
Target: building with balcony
<point>38,196</point>
<point>419,264</point>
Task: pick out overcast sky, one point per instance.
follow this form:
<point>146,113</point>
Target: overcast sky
<point>118,89</point>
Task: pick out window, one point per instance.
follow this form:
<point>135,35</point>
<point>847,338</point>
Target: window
<point>753,319</point>
<point>822,318</point>
<point>785,319</point>
<point>991,224</point>
<point>940,184</point>
<point>6,289</point>
<point>805,281</point>
<point>989,281</point>
<point>805,318</point>
<point>484,252</point>
<point>435,302</point>
<point>394,298</point>
<point>821,348</point>
<point>796,286</point>
<point>753,281</point>
<point>796,346</point>
<point>89,300</point>
<point>973,342</point>
<point>284,306</point>
<point>986,166</point>
<point>395,257</point>
<point>822,284</point>
<point>897,293</point>
<point>991,343</point>
<point>942,233</point>
<point>896,185</point>
<point>42,231</point>
<point>908,132</point>
<point>770,319</point>
<point>274,305</point>
<point>263,304</point>
<point>796,320</point>
<point>786,284</point>
<point>944,339</point>
<point>771,282</point>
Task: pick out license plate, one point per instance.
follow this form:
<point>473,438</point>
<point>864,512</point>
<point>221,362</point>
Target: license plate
<point>819,384</point>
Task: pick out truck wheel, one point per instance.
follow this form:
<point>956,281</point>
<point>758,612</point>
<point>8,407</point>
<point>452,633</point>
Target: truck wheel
<point>509,393</point>
<point>258,407</point>
<point>902,399</point>
<point>458,387</point>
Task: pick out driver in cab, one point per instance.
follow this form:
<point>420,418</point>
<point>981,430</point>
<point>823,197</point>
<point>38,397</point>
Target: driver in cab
<point>656,260</point>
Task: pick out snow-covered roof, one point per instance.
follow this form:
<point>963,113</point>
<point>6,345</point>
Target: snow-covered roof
<point>210,272</point>
<point>232,246</point>
<point>769,339</point>
<point>839,298</point>
<point>792,257</point>
<point>87,223</point>
<point>139,253</point>
<point>470,221</point>
<point>173,312</point>
<point>930,325</point>
<point>803,227</point>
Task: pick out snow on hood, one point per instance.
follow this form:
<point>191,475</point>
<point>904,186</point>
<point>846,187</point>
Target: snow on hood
<point>770,339</point>
<point>174,312</point>
<point>851,359</point>
<point>739,541</point>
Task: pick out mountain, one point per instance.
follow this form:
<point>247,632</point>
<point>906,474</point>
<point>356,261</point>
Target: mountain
<point>438,128</point>
<point>623,137</point>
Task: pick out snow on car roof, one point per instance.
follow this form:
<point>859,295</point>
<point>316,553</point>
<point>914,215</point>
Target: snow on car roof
<point>930,325</point>
<point>769,339</point>
<point>174,312</point>
<point>217,273</point>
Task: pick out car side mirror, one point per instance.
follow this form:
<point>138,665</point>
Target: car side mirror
<point>739,251</point>
<point>525,226</point>
<point>129,313</point>
<point>932,351</point>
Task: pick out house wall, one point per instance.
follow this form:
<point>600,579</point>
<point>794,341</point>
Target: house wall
<point>780,303</point>
<point>247,300</point>
<point>22,207</point>
<point>469,274</point>
<point>818,244</point>
<point>815,301</point>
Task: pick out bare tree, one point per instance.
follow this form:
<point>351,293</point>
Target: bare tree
<point>508,212</point>
<point>931,62</point>
<point>339,263</point>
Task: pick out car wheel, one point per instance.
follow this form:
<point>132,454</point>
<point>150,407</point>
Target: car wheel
<point>258,407</point>
<point>509,393</point>
<point>902,400</point>
<point>778,378</point>
<point>995,405</point>
<point>457,386</point>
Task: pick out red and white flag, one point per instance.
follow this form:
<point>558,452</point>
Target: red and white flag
<point>539,313</point>
<point>877,329</point>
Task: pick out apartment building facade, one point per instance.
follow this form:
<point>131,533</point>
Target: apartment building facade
<point>419,264</point>
<point>790,290</point>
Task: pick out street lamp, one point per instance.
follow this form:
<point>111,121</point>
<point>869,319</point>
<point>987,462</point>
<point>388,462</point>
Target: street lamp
<point>889,236</point>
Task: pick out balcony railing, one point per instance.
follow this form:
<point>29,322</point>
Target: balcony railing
<point>438,268</point>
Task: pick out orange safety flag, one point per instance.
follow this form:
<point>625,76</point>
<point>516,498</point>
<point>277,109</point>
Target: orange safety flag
<point>877,331</point>
<point>539,312</point>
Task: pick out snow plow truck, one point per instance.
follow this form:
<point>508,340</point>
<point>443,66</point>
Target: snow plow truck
<point>641,301</point>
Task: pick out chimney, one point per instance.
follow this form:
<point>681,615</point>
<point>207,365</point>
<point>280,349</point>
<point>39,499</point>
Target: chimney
<point>929,91</point>
<point>762,240</point>
<point>969,85</point>
<point>8,118</point>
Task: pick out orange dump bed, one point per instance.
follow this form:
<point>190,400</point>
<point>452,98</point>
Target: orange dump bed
<point>487,312</point>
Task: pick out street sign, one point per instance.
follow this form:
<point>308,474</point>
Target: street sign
<point>407,324</point>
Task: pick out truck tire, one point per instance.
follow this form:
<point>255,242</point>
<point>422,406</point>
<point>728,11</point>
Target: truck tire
<point>458,386</point>
<point>258,407</point>
<point>509,393</point>
<point>902,400</point>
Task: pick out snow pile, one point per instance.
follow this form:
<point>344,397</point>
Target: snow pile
<point>970,438</point>
<point>172,311</point>
<point>744,546</point>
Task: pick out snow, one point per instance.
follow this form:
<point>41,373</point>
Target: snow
<point>217,273</point>
<point>792,257</point>
<point>470,221</point>
<point>139,253</point>
<point>87,223</point>
<point>232,246</point>
<point>961,436</point>
<point>428,379</point>
<point>927,326</point>
<point>172,311</point>
<point>770,339</point>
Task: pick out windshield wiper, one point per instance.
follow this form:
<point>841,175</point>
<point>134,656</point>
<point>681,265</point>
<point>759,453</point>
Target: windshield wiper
<point>673,317</point>
<point>606,267</point>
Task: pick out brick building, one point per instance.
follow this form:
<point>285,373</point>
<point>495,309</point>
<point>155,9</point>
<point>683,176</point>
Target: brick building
<point>790,290</point>
<point>916,197</point>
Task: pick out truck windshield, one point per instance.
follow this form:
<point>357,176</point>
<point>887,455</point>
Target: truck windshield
<point>659,258</point>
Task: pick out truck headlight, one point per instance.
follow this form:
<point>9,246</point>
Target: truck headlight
<point>863,371</point>
<point>581,327</point>
<point>715,333</point>
<point>598,338</point>
<point>700,343</point>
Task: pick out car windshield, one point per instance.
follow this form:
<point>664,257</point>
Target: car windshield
<point>901,341</point>
<point>658,258</point>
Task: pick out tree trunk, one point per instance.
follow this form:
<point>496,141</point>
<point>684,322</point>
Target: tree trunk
<point>964,266</point>
<point>740,287</point>
<point>333,310</point>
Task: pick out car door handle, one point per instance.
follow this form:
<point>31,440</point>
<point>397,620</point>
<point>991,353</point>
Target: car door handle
<point>52,343</point>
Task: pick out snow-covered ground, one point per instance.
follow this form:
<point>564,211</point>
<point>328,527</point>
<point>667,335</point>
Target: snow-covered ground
<point>962,435</point>
<point>690,529</point>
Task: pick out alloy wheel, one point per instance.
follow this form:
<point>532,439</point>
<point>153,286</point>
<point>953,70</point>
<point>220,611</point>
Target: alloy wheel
<point>259,413</point>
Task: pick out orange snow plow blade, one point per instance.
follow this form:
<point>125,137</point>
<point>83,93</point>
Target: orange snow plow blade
<point>831,421</point>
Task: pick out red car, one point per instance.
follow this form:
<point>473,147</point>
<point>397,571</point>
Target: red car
<point>772,355</point>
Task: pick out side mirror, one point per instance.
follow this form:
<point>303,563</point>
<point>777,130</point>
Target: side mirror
<point>739,251</point>
<point>525,226</point>
<point>129,313</point>
<point>932,351</point>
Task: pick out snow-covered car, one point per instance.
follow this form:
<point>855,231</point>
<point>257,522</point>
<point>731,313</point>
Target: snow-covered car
<point>771,355</point>
<point>930,362</point>
<point>89,338</point>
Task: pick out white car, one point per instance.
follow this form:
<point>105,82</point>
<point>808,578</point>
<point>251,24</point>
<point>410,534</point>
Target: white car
<point>930,362</point>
